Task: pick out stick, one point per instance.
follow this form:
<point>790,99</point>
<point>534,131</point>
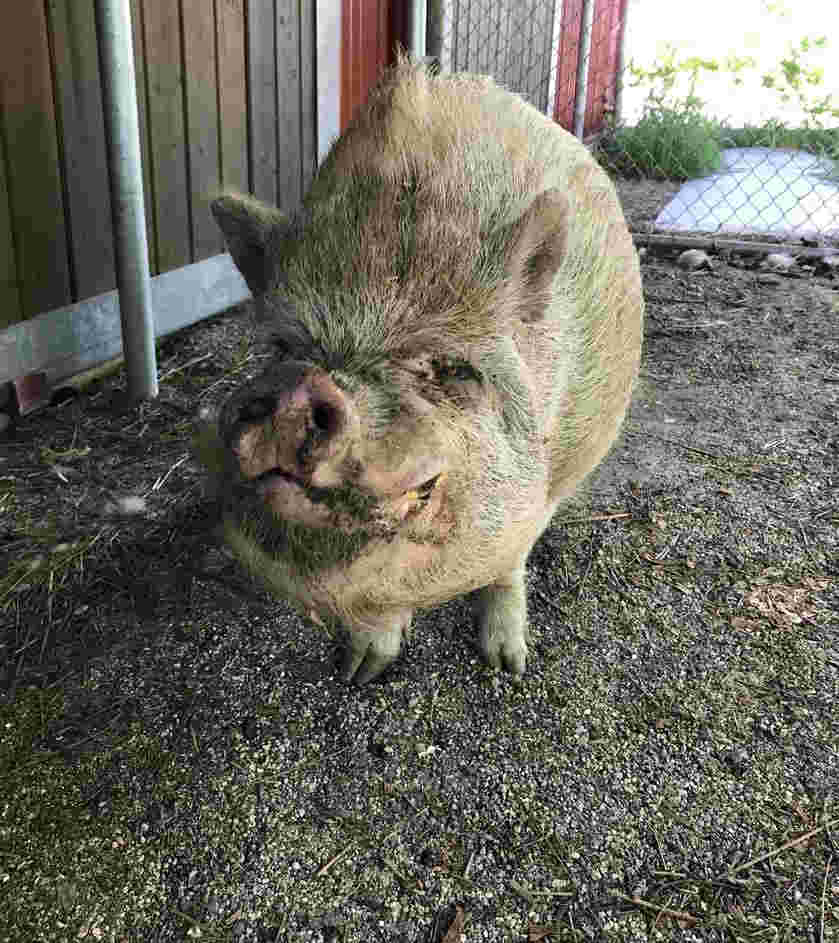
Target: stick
<point>663,911</point>
<point>790,844</point>
<point>752,248</point>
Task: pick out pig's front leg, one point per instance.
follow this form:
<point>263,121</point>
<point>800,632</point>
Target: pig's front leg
<point>370,651</point>
<point>501,617</point>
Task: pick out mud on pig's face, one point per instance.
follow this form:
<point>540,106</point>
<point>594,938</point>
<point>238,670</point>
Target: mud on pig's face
<point>325,460</point>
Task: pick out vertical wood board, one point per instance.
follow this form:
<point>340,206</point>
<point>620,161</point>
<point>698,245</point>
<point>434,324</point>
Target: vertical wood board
<point>308,95</point>
<point>288,106</point>
<point>262,99</point>
<point>201,124</point>
<point>569,51</point>
<point>165,96</point>
<point>33,175</point>
<point>10,308</point>
<point>232,93</point>
<point>81,124</point>
<point>143,121</point>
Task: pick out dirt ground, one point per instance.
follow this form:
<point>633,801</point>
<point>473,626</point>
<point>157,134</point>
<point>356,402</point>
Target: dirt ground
<point>177,760</point>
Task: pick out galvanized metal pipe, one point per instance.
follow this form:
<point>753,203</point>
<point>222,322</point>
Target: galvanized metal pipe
<point>418,15</point>
<point>434,30</point>
<point>119,95</point>
<point>583,59</point>
<point>620,65</point>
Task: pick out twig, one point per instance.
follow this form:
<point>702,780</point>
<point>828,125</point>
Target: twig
<point>688,448</point>
<point>161,481</point>
<point>735,245</point>
<point>334,860</point>
<point>790,844</point>
<point>183,366</point>
<point>661,911</point>
<point>824,893</point>
<point>595,517</point>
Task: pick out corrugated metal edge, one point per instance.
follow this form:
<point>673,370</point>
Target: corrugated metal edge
<point>65,341</point>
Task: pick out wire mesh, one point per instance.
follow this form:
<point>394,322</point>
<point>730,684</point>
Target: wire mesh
<point>568,58</point>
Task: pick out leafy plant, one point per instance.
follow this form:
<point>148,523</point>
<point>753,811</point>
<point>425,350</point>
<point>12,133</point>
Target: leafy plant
<point>675,139</point>
<point>667,143</point>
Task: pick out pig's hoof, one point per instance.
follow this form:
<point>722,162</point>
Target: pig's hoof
<point>369,653</point>
<point>502,650</point>
<point>502,618</point>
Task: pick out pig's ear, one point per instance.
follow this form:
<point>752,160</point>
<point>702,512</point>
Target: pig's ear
<point>538,248</point>
<point>251,230</point>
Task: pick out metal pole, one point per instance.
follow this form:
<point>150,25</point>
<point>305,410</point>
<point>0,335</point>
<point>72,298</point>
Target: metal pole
<point>620,65</point>
<point>417,14</point>
<point>583,59</point>
<point>434,30</point>
<point>119,95</point>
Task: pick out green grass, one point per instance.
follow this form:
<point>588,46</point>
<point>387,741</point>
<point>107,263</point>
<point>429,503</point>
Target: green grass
<point>666,144</point>
<point>681,143</point>
<point>818,141</point>
<point>68,873</point>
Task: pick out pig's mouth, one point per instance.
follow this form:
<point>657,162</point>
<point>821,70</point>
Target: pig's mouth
<point>273,478</point>
<point>292,497</point>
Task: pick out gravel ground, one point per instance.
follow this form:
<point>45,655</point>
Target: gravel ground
<point>178,761</point>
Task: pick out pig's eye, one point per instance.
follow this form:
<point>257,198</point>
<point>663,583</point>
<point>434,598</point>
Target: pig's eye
<point>456,370</point>
<point>425,489</point>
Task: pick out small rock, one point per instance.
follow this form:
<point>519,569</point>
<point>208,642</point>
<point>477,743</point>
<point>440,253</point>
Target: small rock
<point>693,259</point>
<point>828,264</point>
<point>768,280</point>
<point>737,761</point>
<point>208,414</point>
<point>250,728</point>
<point>778,262</point>
<point>430,857</point>
<point>130,506</point>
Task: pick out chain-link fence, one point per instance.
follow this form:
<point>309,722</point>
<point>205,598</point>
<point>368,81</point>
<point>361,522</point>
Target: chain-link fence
<point>679,133</point>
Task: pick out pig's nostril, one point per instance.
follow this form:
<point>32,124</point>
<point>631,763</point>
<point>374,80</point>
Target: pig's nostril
<point>258,408</point>
<point>326,418</point>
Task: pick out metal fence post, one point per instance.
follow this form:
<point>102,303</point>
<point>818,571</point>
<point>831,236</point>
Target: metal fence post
<point>119,95</point>
<point>417,15</point>
<point>583,59</point>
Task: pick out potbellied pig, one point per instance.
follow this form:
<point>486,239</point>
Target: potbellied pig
<point>456,312</point>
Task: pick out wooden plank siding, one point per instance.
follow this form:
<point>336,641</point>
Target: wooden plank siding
<point>226,94</point>
<point>231,59</point>
<point>167,134</point>
<point>72,29</point>
<point>201,127</point>
<point>262,98</point>
<point>605,35</point>
<point>367,47</point>
<point>10,302</point>
<point>33,181</point>
<point>308,94</point>
<point>569,51</point>
<point>289,144</point>
<point>143,121</point>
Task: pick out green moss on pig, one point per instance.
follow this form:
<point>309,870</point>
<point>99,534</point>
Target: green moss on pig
<point>457,315</point>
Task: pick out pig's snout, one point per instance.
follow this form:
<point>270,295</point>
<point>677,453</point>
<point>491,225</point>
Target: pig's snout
<point>326,417</point>
<point>295,421</point>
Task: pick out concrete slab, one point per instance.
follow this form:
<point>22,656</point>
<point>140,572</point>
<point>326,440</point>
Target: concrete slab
<point>780,192</point>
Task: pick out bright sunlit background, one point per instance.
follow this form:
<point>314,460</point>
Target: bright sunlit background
<point>718,28</point>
